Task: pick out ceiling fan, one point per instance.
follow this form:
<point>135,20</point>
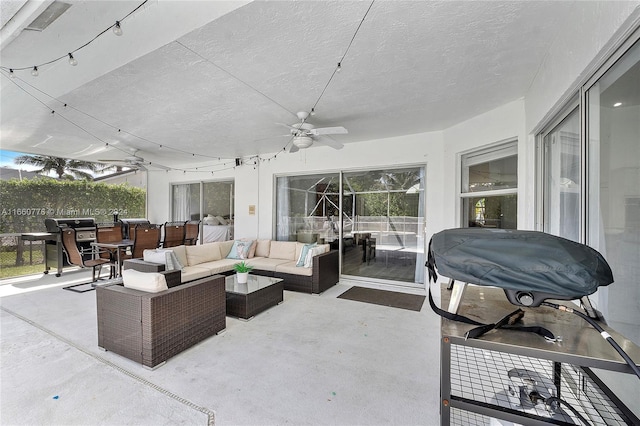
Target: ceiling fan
<point>305,134</point>
<point>135,162</point>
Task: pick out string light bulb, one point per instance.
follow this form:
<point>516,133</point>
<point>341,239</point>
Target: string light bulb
<point>11,74</point>
<point>116,29</point>
<point>313,111</point>
<point>34,71</point>
<point>72,61</point>
<point>339,67</point>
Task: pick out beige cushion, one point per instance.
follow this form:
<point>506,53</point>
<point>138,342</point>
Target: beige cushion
<point>190,273</point>
<point>225,248</point>
<point>203,253</point>
<point>151,282</point>
<point>266,264</point>
<point>181,254</point>
<point>262,248</point>
<point>291,268</point>
<point>283,250</point>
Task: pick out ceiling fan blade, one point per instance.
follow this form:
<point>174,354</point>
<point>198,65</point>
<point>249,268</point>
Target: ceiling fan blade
<point>328,131</point>
<point>330,142</point>
<point>287,126</point>
<point>156,165</point>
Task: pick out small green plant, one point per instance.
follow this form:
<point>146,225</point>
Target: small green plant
<point>242,267</point>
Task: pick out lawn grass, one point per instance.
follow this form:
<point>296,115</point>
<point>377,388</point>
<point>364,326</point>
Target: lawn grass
<point>8,268</point>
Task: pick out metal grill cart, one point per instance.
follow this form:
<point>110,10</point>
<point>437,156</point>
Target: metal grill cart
<point>480,382</point>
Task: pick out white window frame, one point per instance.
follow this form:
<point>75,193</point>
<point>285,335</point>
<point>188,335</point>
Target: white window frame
<point>495,151</point>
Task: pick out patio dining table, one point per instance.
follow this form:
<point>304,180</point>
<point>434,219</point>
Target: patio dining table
<point>118,247</point>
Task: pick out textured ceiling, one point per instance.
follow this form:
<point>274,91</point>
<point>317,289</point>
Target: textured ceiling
<point>215,78</point>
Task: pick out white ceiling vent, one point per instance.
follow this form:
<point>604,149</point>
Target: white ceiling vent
<point>50,14</point>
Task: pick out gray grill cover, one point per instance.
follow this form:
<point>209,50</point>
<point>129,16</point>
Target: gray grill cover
<point>518,260</point>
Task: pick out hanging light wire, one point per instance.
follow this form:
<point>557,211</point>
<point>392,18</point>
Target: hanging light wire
<point>258,158</point>
<point>66,55</point>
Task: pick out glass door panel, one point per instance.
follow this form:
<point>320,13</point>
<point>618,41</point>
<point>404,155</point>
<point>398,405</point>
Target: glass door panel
<point>382,224</point>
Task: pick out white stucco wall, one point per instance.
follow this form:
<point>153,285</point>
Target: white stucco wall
<point>581,43</point>
<point>437,151</point>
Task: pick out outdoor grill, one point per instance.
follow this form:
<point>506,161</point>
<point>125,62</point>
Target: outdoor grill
<point>85,234</point>
<point>128,226</point>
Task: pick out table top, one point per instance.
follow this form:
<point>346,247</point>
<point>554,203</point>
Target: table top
<point>253,284</point>
<point>38,236</point>
<point>114,244</point>
<point>581,343</point>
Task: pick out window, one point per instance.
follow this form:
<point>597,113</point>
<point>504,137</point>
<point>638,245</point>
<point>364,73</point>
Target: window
<point>613,173</point>
<point>193,201</point>
<point>562,183</point>
<point>489,187</point>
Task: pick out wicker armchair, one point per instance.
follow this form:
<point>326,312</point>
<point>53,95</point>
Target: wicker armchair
<point>150,328</point>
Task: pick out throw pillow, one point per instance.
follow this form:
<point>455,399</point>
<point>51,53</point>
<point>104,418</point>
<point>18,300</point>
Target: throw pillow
<point>240,250</point>
<point>151,282</point>
<point>303,253</point>
<point>173,263</point>
<point>314,251</point>
<point>154,256</point>
<point>222,220</point>
<point>252,249</point>
<point>210,220</point>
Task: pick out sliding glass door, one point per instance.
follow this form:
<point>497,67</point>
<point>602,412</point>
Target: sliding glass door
<point>376,219</point>
<point>383,225</point>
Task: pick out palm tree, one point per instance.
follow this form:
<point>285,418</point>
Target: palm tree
<point>63,167</point>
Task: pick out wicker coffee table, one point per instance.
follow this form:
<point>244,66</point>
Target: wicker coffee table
<point>258,294</point>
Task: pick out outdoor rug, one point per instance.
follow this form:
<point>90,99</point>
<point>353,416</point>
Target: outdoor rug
<point>412,302</point>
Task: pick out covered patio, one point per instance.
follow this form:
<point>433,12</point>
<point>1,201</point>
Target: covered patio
<point>311,360</point>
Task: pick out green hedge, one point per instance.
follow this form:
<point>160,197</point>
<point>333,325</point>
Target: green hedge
<point>26,203</point>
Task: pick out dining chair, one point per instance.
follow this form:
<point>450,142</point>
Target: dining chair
<point>110,232</point>
<point>75,256</point>
<point>173,234</point>
<point>192,230</point>
<point>147,236</point>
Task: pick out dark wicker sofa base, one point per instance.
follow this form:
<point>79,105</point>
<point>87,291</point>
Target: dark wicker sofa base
<point>150,328</point>
<point>323,277</point>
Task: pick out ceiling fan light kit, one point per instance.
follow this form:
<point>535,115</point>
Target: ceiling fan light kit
<point>303,141</point>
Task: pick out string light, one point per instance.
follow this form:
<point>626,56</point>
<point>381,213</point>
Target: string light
<point>117,30</point>
<point>34,71</point>
<point>313,111</point>
<point>72,61</point>
<point>11,74</point>
<point>339,67</point>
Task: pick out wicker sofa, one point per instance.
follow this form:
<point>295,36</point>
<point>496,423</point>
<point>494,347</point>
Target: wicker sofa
<point>271,258</point>
<point>150,328</point>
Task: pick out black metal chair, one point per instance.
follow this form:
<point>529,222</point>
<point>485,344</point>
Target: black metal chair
<point>76,257</point>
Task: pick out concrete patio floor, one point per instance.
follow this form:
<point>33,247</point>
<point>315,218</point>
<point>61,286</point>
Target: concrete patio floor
<point>311,360</point>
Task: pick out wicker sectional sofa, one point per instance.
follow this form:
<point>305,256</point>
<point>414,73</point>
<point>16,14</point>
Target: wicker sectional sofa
<point>271,258</point>
<point>150,328</point>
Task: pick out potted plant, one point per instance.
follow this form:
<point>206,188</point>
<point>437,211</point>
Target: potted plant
<point>242,271</point>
